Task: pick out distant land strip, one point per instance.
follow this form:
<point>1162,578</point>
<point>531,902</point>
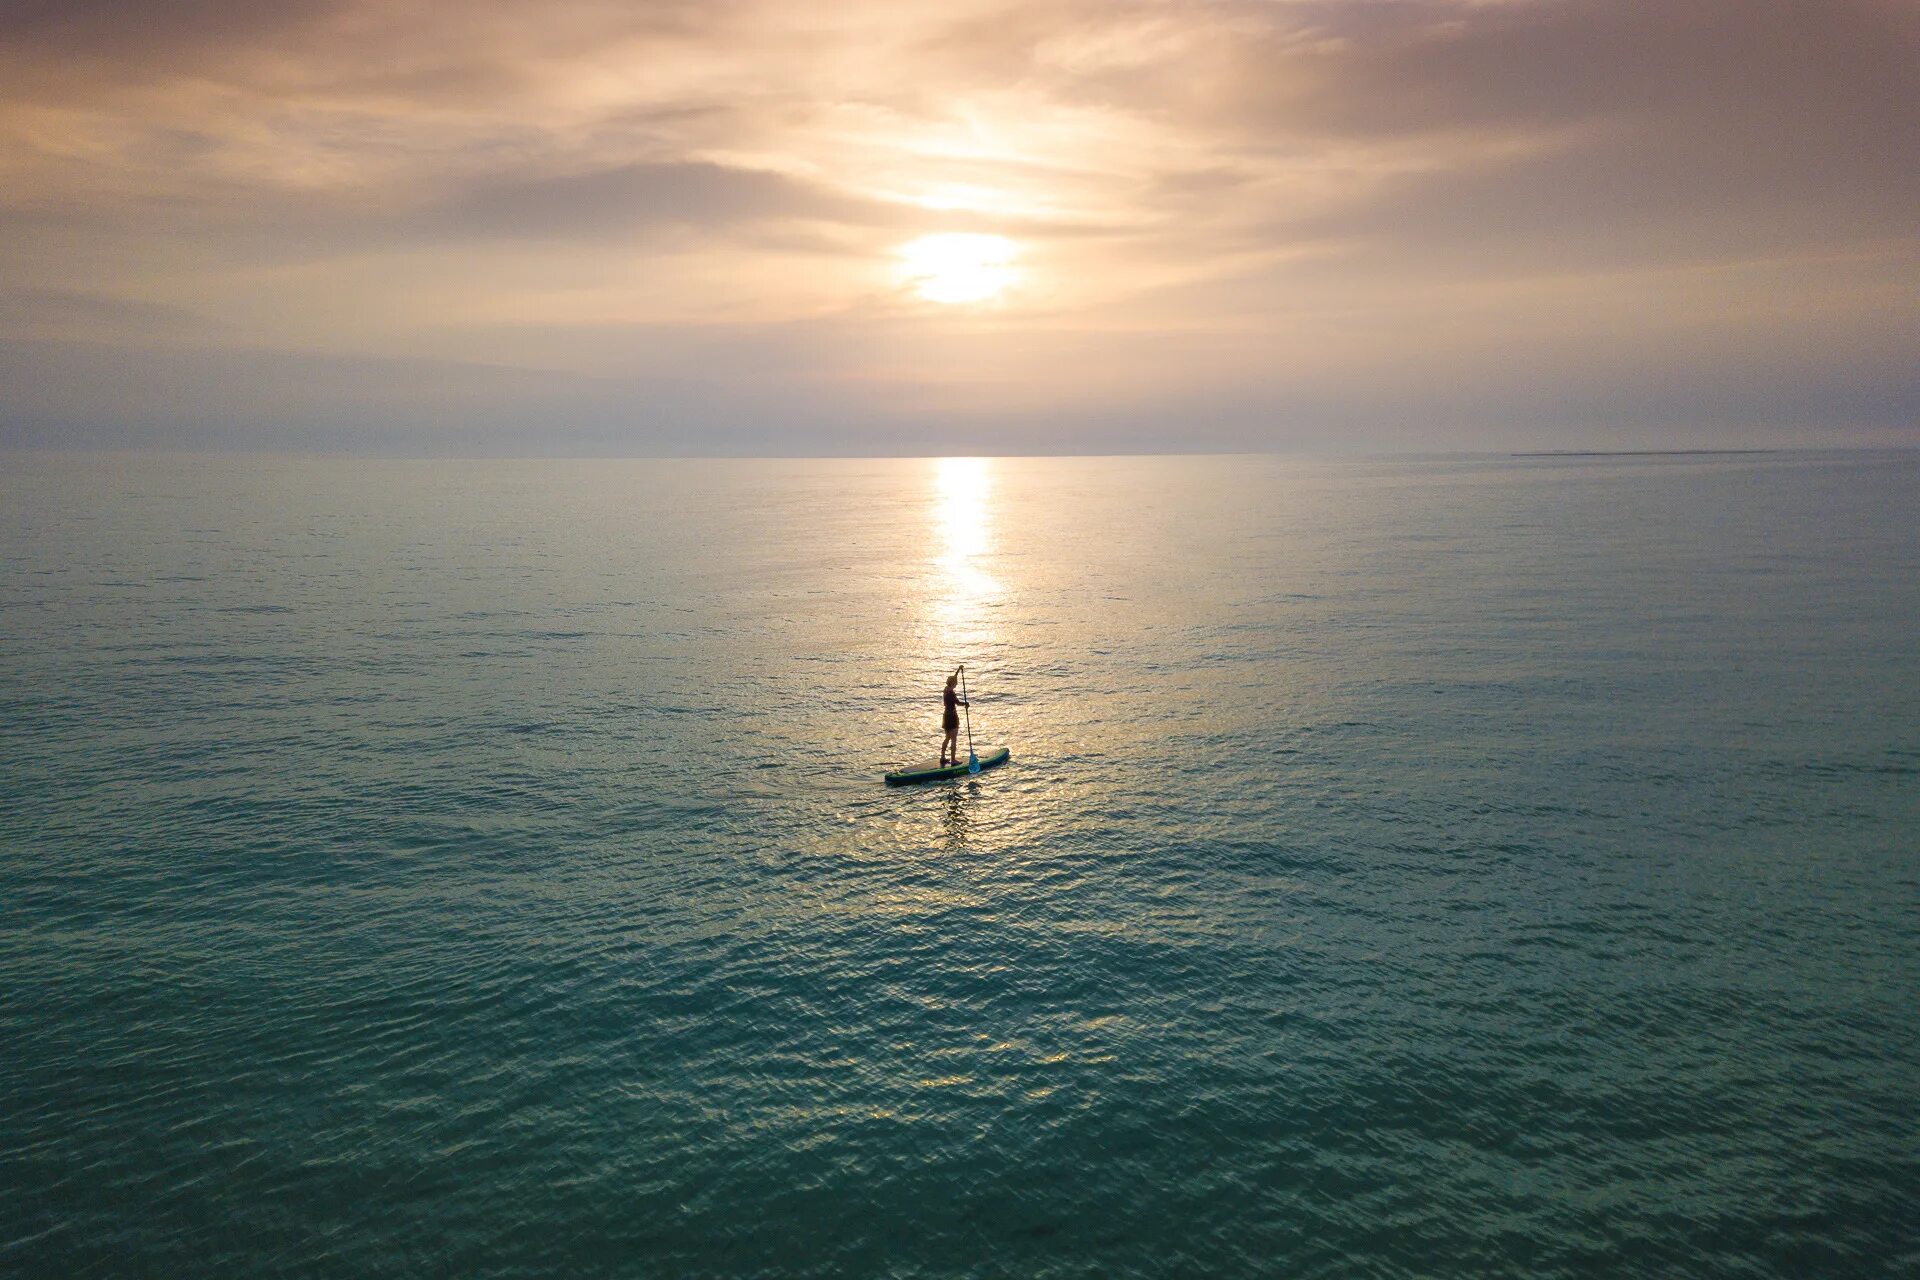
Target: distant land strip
<point>1629,453</point>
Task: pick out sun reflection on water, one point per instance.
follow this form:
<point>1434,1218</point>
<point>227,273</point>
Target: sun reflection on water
<point>963,520</point>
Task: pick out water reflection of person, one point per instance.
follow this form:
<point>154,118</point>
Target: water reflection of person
<point>950,722</point>
<point>955,818</point>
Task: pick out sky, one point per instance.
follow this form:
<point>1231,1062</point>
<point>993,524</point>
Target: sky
<point>879,227</point>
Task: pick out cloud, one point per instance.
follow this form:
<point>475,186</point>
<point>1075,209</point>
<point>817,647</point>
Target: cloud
<point>1788,121</point>
<point>141,32</point>
<point>1232,203</point>
<point>627,197</point>
<point>58,312</point>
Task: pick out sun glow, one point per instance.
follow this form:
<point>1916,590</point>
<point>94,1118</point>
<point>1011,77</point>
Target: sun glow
<point>957,266</point>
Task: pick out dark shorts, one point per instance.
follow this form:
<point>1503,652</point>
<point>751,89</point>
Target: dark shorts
<point>950,723</point>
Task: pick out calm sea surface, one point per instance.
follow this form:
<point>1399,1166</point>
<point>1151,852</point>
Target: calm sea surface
<point>1503,866</point>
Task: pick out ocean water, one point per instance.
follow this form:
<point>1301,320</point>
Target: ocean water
<point>1444,867</point>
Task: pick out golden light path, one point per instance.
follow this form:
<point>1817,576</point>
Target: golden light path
<point>958,266</point>
<point>963,518</point>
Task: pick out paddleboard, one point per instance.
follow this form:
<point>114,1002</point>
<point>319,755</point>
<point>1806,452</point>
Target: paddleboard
<point>933,770</point>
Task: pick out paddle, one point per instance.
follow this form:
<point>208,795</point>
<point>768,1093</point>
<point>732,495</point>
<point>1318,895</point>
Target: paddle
<point>973,761</point>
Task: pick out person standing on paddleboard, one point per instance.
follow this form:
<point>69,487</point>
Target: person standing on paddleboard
<point>950,721</point>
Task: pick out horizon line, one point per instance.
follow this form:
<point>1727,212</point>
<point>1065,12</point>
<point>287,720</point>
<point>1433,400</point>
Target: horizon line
<point>1317,454</point>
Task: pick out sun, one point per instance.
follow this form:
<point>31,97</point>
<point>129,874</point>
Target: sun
<point>957,266</point>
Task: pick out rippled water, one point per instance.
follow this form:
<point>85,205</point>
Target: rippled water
<point>1448,867</point>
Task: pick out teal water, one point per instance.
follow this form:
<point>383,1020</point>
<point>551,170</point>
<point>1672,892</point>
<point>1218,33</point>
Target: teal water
<point>1443,867</point>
